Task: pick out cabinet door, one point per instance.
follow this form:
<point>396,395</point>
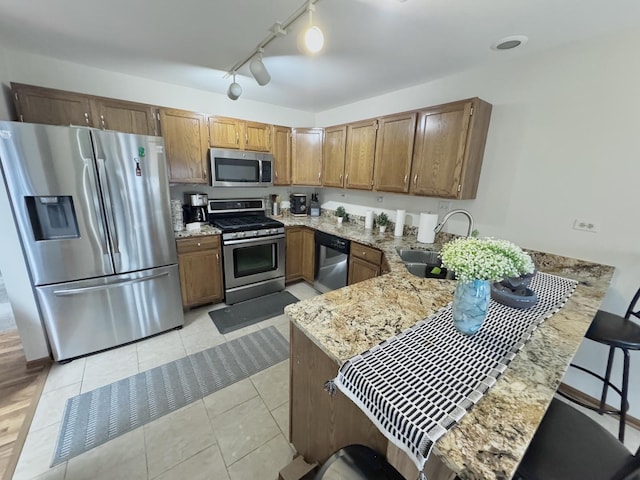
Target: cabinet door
<point>224,132</point>
<point>360,270</point>
<point>293,257</point>
<point>200,277</point>
<point>361,144</point>
<point>308,254</point>
<point>257,136</point>
<point>335,139</point>
<point>449,147</point>
<point>281,149</point>
<point>125,117</point>
<point>306,163</point>
<point>394,152</point>
<point>53,107</point>
<point>186,144</point>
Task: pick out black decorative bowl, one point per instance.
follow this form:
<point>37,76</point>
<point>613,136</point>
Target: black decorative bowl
<point>522,297</point>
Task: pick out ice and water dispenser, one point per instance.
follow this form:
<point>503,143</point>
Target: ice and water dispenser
<point>52,217</point>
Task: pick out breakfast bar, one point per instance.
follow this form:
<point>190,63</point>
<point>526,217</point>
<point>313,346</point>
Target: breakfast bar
<point>489,441</point>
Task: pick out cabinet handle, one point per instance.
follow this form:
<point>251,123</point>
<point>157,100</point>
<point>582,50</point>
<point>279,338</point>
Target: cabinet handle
<point>86,118</point>
<point>340,178</point>
<point>246,139</point>
<point>237,138</point>
<point>276,174</point>
<point>346,179</point>
<point>198,243</point>
<point>318,175</point>
<point>405,178</point>
<point>102,121</point>
<point>415,179</point>
<point>217,256</point>
<point>364,254</point>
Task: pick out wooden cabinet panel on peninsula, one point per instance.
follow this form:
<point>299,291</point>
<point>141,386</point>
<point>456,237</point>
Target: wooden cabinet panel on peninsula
<point>394,152</point>
<point>227,132</point>
<point>186,143</point>
<point>449,147</point>
<point>364,263</point>
<point>360,154</point>
<point>281,150</point>
<point>300,254</point>
<point>200,266</point>
<point>334,151</point>
<point>306,156</point>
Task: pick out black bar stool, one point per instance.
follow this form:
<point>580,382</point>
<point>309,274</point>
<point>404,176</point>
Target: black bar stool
<point>569,445</point>
<point>616,332</point>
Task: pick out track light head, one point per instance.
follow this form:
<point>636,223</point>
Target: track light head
<point>258,70</point>
<point>313,36</point>
<point>235,89</point>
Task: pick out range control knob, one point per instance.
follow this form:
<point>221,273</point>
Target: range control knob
<point>240,234</point>
<point>231,235</point>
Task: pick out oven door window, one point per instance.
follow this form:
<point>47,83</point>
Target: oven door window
<point>252,260</point>
<point>237,170</point>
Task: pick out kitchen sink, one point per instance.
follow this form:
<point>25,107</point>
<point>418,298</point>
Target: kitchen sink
<point>424,263</point>
<point>425,270</point>
<point>419,256</point>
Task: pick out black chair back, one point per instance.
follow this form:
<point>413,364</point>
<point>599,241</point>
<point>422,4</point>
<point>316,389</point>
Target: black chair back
<point>634,308</point>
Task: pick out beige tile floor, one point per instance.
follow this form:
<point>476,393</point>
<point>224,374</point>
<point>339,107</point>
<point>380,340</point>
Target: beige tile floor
<point>237,433</point>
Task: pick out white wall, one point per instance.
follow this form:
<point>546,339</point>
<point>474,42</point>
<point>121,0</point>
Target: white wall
<point>562,145</point>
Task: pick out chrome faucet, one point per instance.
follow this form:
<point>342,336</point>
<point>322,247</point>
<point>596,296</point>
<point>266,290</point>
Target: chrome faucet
<point>449,215</point>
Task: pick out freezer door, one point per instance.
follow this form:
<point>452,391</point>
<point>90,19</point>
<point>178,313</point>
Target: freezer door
<point>50,176</point>
<point>92,315</point>
<point>133,178</point>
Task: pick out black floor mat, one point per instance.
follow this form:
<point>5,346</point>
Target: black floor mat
<point>252,311</point>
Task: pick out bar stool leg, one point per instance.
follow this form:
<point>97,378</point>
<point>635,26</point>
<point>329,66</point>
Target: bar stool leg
<point>607,381</point>
<point>625,388</point>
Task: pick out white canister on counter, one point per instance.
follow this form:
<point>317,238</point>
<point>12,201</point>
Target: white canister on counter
<point>400,219</point>
<point>368,220</point>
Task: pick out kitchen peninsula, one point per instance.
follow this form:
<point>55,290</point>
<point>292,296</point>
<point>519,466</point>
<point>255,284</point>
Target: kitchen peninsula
<point>490,440</point>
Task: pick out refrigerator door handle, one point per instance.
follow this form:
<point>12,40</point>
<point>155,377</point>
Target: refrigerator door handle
<point>108,205</point>
<point>76,291</point>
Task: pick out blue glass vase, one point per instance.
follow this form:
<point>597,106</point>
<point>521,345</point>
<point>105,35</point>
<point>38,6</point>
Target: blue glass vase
<point>470,304</point>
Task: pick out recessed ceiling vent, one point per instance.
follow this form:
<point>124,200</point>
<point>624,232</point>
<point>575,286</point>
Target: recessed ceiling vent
<point>508,43</point>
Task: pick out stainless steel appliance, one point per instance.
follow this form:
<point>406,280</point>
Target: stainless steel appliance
<point>93,213</point>
<point>236,168</point>
<point>252,248</point>
<point>332,262</point>
<point>298,204</point>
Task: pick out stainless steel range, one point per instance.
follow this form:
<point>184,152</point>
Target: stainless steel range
<point>252,248</point>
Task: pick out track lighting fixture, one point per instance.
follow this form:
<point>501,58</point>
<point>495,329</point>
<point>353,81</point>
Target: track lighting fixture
<point>313,36</point>
<point>235,90</point>
<point>258,70</point>
<point>313,42</point>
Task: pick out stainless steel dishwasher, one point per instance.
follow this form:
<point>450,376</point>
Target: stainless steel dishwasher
<point>332,262</point>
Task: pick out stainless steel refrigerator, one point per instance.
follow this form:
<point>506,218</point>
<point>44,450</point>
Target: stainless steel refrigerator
<point>93,214</point>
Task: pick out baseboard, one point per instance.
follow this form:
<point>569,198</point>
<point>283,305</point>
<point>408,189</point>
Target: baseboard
<point>589,400</point>
<point>40,362</point>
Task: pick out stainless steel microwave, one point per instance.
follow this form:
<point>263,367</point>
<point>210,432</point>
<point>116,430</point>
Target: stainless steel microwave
<point>236,168</point>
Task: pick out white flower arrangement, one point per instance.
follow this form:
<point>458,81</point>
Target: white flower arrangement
<point>485,259</point>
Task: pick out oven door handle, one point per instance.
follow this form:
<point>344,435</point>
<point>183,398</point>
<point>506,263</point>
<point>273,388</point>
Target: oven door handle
<point>266,239</point>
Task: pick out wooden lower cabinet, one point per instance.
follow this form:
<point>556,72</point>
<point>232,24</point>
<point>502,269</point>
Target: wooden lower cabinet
<point>320,424</point>
<point>300,254</point>
<point>364,263</point>
<point>200,266</point>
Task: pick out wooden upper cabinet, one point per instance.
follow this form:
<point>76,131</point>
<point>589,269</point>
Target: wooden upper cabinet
<point>306,156</point>
<point>335,143</point>
<point>225,132</point>
<point>50,106</point>
<point>257,136</point>
<point>281,149</point>
<point>449,147</point>
<point>186,143</point>
<point>124,116</point>
<point>361,145</point>
<point>394,152</point>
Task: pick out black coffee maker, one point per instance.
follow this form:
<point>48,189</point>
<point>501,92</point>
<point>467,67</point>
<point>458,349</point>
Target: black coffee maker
<point>196,209</point>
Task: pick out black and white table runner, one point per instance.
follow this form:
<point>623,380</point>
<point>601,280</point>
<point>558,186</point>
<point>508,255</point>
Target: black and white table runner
<point>417,385</point>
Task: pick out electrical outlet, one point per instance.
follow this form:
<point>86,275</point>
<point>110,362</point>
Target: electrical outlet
<point>586,226</point>
<point>443,208</point>
<point>380,198</point>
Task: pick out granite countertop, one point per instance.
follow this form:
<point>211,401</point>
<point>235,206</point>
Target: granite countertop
<point>490,440</point>
<point>204,230</point>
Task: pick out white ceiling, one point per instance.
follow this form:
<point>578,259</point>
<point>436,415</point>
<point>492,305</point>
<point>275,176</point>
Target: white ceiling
<point>372,46</point>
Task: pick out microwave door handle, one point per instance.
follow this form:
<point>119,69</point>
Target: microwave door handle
<point>106,190</point>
